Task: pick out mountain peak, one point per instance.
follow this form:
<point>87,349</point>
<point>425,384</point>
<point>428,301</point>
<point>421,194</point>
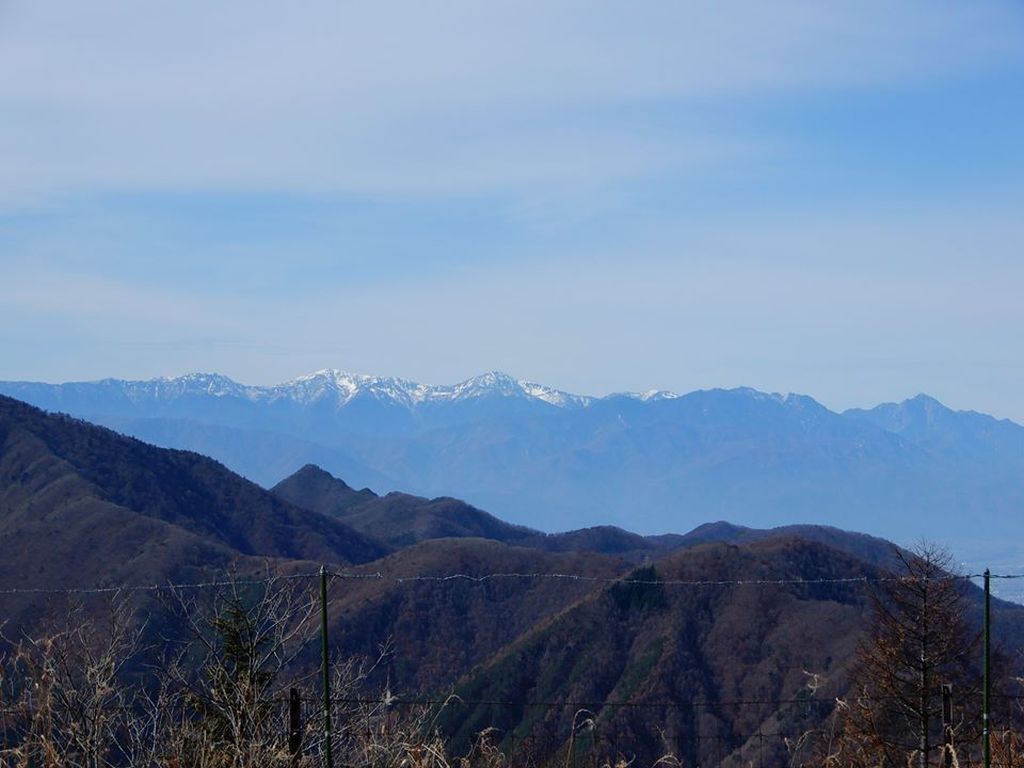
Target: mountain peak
<point>921,400</point>
<point>495,378</point>
<point>343,386</point>
<point>897,417</point>
<point>312,487</point>
<point>314,472</point>
<point>488,383</point>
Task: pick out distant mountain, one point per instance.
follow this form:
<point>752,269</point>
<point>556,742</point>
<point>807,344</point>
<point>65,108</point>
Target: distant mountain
<point>397,518</point>
<point>262,455</point>
<point>551,460</point>
<point>401,519</point>
<point>957,435</point>
<point>334,387</point>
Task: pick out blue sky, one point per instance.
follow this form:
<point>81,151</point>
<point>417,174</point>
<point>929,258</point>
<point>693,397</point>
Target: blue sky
<point>795,196</point>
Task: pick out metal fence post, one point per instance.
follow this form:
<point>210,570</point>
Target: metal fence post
<point>326,668</point>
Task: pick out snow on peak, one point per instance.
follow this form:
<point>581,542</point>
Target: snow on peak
<point>172,387</point>
<point>340,388</point>
<point>648,396</point>
<point>490,383</point>
<point>344,387</point>
<point>656,394</point>
<point>503,385</point>
<point>554,396</point>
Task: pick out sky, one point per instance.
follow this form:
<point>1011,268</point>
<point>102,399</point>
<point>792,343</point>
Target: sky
<point>601,196</point>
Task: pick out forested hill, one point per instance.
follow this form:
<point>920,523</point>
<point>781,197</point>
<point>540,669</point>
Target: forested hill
<point>81,504</point>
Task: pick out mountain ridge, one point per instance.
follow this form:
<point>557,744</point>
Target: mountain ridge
<point>345,387</point>
<point>402,520</point>
<point>314,386</point>
<point>554,461</point>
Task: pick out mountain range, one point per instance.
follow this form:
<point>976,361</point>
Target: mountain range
<point>660,663</point>
<point>539,457</point>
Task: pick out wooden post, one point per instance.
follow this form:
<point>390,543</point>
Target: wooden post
<point>294,722</point>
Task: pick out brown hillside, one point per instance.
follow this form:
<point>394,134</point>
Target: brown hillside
<point>438,630</point>
<point>674,657</point>
<point>81,505</point>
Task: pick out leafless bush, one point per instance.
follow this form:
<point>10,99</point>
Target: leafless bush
<point>213,693</point>
<point>224,682</point>
<point>62,697</point>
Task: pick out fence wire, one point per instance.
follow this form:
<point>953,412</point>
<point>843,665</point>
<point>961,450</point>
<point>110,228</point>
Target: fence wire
<point>313,707</point>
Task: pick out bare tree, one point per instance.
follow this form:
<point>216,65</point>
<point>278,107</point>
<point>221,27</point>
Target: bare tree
<point>216,697</point>
<point>225,686</point>
<point>62,696</point>
<point>920,639</point>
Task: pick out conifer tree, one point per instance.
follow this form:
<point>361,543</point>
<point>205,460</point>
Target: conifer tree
<point>920,640</point>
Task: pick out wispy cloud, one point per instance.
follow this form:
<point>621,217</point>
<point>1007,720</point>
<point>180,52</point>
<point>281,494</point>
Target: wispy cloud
<point>90,298</point>
<point>410,98</point>
<point>602,196</point>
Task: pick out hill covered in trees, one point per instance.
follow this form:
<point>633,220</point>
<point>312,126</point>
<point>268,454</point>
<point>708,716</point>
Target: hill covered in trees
<point>82,505</point>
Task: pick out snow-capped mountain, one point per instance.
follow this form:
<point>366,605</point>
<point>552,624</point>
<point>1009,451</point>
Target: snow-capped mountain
<point>330,385</point>
<point>168,388</point>
<point>344,387</point>
<point>536,455</point>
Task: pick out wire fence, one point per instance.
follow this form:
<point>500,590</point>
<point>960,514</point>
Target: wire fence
<point>485,577</point>
<point>760,747</point>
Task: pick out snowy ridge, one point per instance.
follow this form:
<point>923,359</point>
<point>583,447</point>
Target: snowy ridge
<point>345,387</point>
<point>649,395</point>
<point>341,388</point>
<point>170,388</point>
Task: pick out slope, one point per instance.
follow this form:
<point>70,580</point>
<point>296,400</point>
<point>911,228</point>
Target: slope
<point>712,671</point>
<point>109,503</point>
<point>439,609</point>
